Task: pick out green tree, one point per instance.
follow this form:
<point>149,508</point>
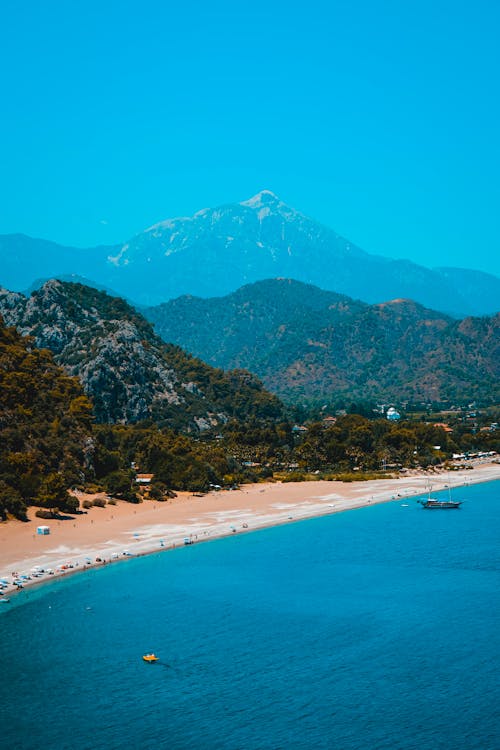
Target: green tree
<point>11,502</point>
<point>54,495</point>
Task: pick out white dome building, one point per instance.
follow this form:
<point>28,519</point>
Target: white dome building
<point>393,414</point>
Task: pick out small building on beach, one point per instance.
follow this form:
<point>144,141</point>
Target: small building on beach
<point>144,478</point>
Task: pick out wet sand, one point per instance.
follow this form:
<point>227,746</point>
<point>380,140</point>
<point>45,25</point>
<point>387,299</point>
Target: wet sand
<point>152,526</point>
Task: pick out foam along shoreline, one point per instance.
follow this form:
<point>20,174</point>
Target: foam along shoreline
<point>119,531</point>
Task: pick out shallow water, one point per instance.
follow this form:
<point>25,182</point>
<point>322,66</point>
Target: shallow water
<point>375,628</point>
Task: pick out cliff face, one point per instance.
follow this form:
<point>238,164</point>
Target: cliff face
<point>129,373</point>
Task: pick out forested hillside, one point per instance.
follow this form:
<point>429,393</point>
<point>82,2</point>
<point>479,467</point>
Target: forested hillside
<point>127,370</point>
<point>45,425</point>
<point>50,443</point>
<point>309,344</point>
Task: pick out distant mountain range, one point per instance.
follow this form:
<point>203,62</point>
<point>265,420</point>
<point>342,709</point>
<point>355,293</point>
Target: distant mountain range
<point>218,250</point>
<point>306,343</point>
<point>129,373</point>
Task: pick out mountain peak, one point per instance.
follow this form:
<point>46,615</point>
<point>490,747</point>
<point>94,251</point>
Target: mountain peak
<point>263,198</point>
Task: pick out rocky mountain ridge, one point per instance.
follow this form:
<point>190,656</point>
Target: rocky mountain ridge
<point>216,251</point>
<point>129,373</point>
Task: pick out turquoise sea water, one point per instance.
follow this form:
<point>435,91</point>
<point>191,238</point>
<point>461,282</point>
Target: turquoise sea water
<point>376,628</point>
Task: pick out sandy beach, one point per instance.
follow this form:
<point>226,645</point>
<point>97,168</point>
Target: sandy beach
<point>122,530</point>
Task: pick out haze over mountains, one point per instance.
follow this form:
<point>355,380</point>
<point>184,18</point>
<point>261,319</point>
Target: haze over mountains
<point>218,250</point>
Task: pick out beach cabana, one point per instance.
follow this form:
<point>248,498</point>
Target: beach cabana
<point>44,530</point>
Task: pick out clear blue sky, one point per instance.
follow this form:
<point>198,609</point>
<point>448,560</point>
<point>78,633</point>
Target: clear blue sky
<point>380,119</point>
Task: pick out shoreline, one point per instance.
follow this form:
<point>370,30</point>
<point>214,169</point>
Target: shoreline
<point>125,530</point>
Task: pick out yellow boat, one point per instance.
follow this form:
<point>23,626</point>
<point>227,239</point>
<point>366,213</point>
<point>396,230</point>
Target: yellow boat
<point>150,658</point>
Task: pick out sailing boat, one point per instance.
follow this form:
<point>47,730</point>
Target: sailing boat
<point>431,503</point>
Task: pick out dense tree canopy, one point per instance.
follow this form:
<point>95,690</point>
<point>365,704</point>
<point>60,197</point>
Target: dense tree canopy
<point>45,421</point>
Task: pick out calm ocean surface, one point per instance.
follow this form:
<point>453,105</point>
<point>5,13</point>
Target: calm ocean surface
<point>376,628</point>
